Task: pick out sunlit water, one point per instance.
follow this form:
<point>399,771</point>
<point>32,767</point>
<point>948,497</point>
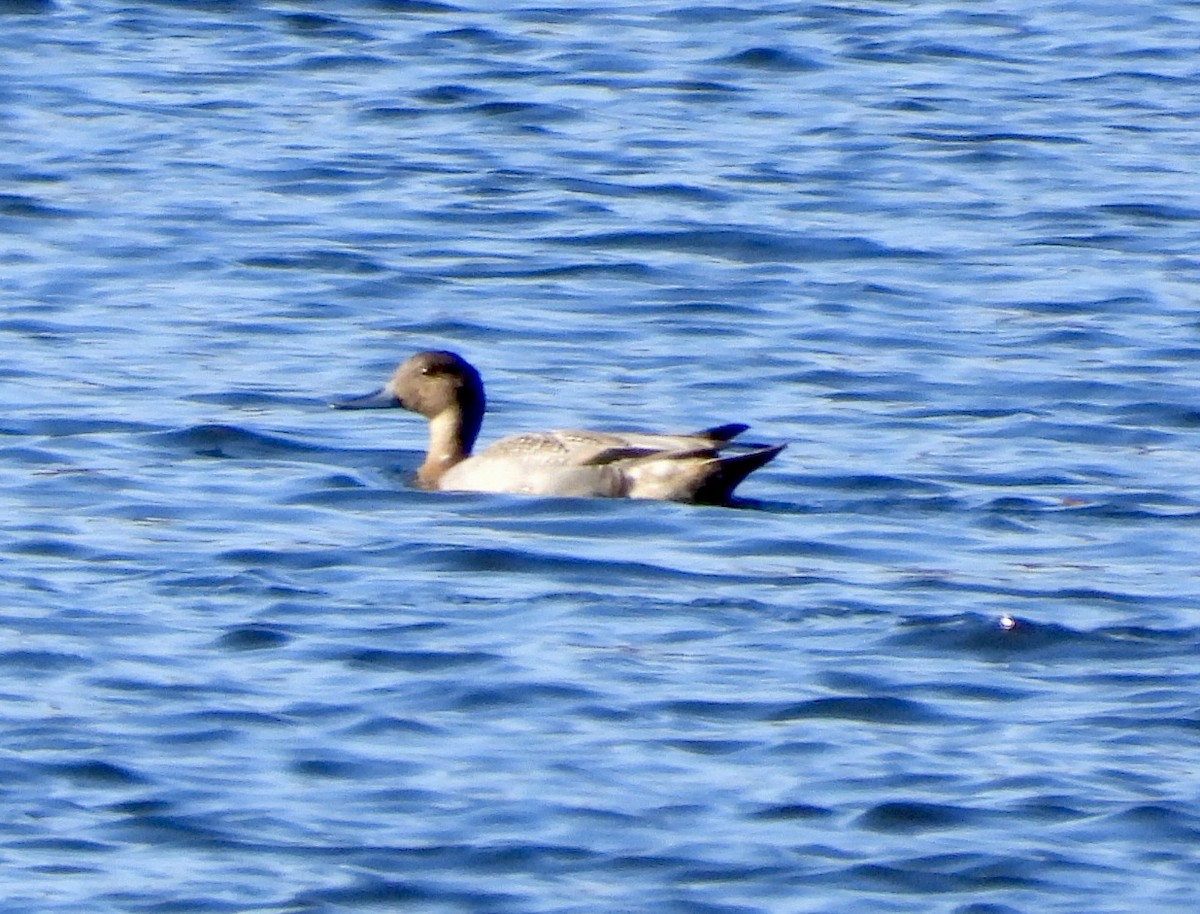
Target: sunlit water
<point>943,658</point>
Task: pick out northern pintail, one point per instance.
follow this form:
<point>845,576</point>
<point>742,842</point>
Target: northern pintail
<point>447,390</point>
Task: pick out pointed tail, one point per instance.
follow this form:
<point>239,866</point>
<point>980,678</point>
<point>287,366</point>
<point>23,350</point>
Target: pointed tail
<point>718,488</point>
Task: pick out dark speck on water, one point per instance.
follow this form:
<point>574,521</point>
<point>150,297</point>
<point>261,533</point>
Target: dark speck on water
<point>941,658</point>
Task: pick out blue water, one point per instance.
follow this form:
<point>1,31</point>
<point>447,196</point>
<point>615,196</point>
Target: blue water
<point>944,658</point>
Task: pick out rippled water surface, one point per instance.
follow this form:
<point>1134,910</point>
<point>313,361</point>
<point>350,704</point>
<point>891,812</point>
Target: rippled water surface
<point>943,657</point>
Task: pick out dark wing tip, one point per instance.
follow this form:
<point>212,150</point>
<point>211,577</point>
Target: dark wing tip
<point>722,432</point>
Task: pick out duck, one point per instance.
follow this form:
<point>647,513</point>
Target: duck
<point>448,391</point>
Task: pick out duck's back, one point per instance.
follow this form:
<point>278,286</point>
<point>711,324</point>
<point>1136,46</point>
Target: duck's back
<point>565,447</point>
<point>572,462</point>
<point>539,463</point>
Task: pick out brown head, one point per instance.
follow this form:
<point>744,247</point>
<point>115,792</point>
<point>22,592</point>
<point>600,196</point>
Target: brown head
<point>431,382</point>
<point>444,388</point>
